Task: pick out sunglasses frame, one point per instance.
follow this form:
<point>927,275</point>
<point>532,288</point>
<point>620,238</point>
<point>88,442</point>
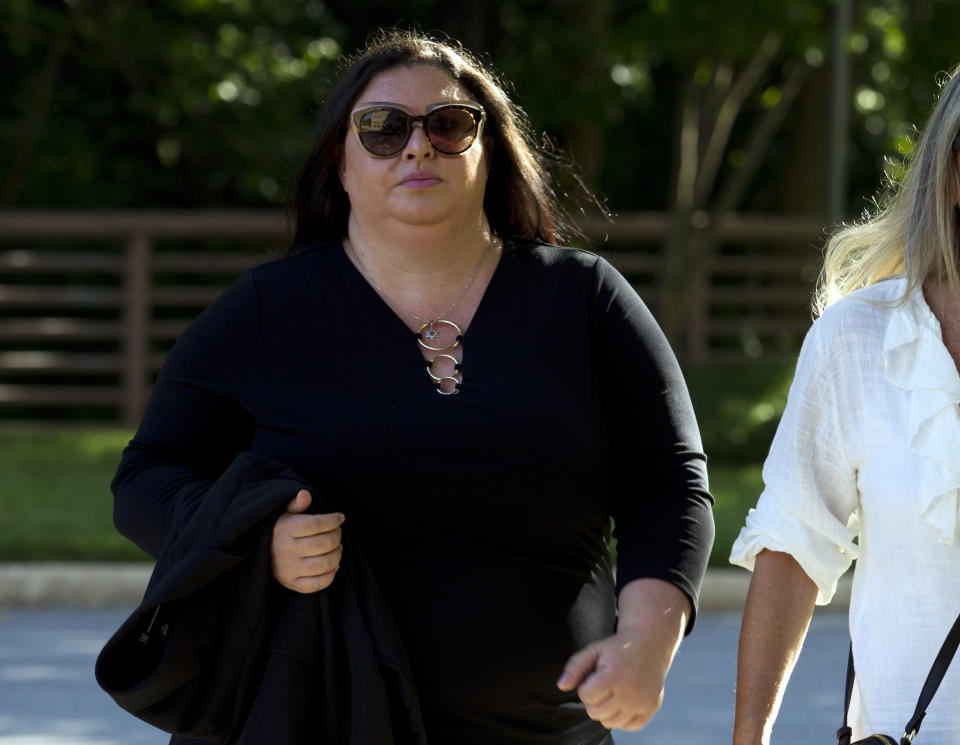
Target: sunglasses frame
<point>476,111</point>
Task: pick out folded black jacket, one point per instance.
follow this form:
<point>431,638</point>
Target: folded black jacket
<point>219,652</point>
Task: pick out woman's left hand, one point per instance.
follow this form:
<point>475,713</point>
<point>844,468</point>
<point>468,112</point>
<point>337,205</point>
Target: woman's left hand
<point>620,678</point>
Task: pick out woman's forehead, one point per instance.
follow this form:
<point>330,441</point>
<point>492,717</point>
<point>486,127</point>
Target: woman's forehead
<point>412,87</point>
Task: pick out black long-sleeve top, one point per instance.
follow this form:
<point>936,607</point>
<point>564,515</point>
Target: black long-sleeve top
<point>486,515</point>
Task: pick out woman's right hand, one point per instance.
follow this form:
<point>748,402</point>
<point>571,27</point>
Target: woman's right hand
<point>305,550</point>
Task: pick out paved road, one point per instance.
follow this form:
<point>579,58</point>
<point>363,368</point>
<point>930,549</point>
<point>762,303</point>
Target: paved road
<point>48,695</point>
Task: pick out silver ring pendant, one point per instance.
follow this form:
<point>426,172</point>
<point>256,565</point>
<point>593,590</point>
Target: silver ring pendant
<point>456,385</point>
<point>439,378</point>
<point>429,327</point>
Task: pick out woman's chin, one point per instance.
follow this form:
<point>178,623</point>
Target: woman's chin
<point>423,214</point>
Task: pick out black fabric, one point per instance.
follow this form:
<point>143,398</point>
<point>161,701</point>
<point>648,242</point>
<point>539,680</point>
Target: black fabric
<point>220,652</point>
<point>485,515</point>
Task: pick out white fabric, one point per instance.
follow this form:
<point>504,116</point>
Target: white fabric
<point>866,465</point>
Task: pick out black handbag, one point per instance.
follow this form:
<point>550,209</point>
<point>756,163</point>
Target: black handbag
<point>937,671</point>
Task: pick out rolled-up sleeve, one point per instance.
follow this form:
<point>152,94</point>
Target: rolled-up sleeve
<point>808,507</point>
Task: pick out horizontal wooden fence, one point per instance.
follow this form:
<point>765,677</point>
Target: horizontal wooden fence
<point>90,302</point>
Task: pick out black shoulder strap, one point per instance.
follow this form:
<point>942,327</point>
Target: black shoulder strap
<point>844,733</point>
<point>932,683</point>
<point>930,686</point>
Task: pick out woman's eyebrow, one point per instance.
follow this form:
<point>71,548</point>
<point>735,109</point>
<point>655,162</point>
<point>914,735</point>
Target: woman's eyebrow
<point>442,102</point>
<point>365,104</point>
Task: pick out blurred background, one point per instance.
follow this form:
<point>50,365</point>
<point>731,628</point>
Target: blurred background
<point>147,151</point>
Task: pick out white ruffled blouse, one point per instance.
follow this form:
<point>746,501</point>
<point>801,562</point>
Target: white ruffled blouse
<point>866,465</point>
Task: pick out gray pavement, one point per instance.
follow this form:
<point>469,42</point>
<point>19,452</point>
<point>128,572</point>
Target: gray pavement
<point>48,695</point>
<point>100,585</point>
<point>699,701</point>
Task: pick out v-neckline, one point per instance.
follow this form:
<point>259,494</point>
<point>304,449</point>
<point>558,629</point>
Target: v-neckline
<point>396,321</point>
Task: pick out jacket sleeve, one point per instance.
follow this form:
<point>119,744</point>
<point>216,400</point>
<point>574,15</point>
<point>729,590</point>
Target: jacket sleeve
<point>662,507</point>
<point>194,424</point>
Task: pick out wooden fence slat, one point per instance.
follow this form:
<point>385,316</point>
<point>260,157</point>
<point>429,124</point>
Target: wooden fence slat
<point>24,296</point>
<point>771,228</point>
<point>48,395</point>
<point>239,224</point>
<point>199,262</point>
<point>633,227</point>
<point>633,262</point>
<point>798,297</point>
<point>24,261</point>
<point>190,296</point>
<point>190,224</point>
<point>58,362</point>
<point>752,265</point>
<point>57,329</point>
<point>652,227</point>
<point>638,262</point>
<point>166,330</point>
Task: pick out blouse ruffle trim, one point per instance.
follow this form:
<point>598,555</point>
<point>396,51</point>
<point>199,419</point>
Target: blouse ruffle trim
<point>915,359</point>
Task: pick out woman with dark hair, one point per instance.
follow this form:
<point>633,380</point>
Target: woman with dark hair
<point>477,402</point>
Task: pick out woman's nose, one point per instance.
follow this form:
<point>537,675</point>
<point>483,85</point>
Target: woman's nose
<point>418,146</point>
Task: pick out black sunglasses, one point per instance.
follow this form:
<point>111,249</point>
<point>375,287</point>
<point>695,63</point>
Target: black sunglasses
<point>451,128</point>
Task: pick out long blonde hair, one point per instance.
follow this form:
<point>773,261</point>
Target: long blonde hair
<point>915,228</point>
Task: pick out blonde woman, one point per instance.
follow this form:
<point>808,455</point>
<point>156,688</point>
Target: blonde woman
<point>866,462</point>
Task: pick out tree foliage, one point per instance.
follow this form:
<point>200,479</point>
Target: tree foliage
<point>109,103</point>
<point>182,102</point>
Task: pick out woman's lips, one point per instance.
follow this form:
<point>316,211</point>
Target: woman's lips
<point>419,180</point>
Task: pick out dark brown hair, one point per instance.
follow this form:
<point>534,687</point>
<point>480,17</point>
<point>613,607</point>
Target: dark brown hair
<point>520,201</point>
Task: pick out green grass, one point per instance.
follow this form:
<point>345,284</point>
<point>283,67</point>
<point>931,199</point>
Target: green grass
<point>55,501</point>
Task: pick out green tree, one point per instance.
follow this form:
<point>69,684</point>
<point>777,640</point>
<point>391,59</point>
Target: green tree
<point>734,74</point>
<point>173,103</point>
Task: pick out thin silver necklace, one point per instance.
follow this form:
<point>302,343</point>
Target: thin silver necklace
<point>448,382</point>
<point>428,330</point>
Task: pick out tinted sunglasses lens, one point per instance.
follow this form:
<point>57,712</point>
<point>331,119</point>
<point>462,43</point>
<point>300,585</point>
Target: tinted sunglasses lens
<point>451,130</point>
<point>383,131</point>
